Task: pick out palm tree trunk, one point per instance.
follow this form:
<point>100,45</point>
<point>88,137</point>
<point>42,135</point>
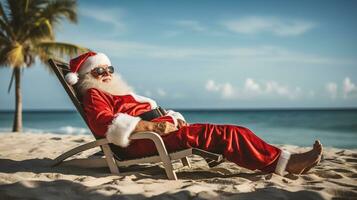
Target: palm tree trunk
<point>17,127</point>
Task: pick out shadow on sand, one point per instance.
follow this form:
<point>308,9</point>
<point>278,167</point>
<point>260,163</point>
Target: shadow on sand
<point>64,189</point>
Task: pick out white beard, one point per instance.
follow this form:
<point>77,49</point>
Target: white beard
<point>117,86</point>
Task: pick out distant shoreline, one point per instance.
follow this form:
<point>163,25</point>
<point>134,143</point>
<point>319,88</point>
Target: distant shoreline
<point>209,109</point>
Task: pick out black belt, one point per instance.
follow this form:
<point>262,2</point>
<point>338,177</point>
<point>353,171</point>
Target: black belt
<point>152,114</point>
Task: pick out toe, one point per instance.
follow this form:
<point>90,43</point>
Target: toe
<point>317,145</point>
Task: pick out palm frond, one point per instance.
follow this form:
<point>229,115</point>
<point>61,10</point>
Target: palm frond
<point>23,13</point>
<point>3,14</point>
<point>43,20</point>
<point>3,57</point>
<point>39,30</point>
<point>16,11</point>
<point>56,10</point>
<point>3,40</point>
<point>15,56</point>
<point>5,28</point>
<point>21,10</point>
<point>57,50</point>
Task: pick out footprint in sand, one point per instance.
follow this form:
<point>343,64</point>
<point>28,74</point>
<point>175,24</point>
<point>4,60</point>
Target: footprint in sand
<point>314,188</point>
<point>344,183</point>
<point>341,193</point>
<point>222,170</point>
<point>78,140</point>
<point>353,160</point>
<point>33,149</point>
<point>328,174</point>
<point>342,170</point>
<point>311,178</point>
<point>341,152</point>
<point>56,138</point>
<point>337,161</point>
<point>354,175</point>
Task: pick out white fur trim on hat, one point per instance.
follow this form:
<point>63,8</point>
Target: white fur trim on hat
<point>94,61</point>
<point>121,128</point>
<point>282,162</point>
<point>71,78</point>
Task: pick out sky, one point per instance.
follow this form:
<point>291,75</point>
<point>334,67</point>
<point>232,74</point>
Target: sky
<point>213,54</point>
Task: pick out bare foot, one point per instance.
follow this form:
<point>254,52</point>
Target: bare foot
<point>303,162</point>
<point>318,145</point>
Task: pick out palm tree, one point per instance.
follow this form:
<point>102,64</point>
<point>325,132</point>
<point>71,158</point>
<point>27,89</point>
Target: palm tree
<point>27,35</point>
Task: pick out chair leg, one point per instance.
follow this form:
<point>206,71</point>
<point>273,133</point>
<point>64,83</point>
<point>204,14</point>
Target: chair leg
<point>110,159</point>
<point>164,156</point>
<point>186,162</point>
<point>170,171</point>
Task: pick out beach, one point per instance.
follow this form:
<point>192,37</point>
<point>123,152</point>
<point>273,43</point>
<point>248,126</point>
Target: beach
<point>25,173</point>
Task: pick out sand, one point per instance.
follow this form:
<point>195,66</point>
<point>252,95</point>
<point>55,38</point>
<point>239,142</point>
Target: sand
<point>25,173</point>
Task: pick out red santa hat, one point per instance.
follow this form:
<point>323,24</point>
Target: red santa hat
<point>85,63</point>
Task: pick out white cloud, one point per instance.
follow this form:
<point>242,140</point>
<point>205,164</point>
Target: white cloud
<point>148,93</point>
<point>271,88</point>
<point>311,93</point>
<point>331,89</point>
<point>233,55</point>
<point>212,86</point>
<point>251,86</point>
<point>110,16</point>
<point>349,88</point>
<point>191,24</point>
<point>158,92</point>
<point>253,89</point>
<point>227,91</point>
<point>276,26</point>
<point>161,92</point>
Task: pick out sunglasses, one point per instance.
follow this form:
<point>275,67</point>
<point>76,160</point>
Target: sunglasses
<point>101,70</point>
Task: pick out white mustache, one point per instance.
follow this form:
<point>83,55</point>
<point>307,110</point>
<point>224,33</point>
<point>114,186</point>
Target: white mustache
<point>117,86</point>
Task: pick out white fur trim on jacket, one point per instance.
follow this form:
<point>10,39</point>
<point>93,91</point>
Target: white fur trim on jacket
<point>142,99</point>
<point>175,116</point>
<point>282,162</point>
<point>121,128</point>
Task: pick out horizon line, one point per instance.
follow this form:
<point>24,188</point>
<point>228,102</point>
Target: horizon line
<point>209,109</point>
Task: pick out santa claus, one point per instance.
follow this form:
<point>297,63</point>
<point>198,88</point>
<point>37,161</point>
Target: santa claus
<point>114,111</point>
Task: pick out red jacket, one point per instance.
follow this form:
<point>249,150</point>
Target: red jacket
<point>115,116</point>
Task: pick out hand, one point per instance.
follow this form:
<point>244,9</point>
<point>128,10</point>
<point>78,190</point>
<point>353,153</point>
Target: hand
<point>164,128</point>
<point>181,123</point>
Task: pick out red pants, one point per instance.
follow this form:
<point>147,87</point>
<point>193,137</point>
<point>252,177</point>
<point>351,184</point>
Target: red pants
<point>237,144</point>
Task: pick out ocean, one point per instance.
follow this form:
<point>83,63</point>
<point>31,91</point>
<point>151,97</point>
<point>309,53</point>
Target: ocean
<point>333,127</point>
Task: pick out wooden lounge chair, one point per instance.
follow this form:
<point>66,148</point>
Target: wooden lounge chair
<point>109,159</point>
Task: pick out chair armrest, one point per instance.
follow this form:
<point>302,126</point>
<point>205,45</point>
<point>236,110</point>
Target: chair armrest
<point>155,137</point>
<point>83,147</point>
<point>145,135</point>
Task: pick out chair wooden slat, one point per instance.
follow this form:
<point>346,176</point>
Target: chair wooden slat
<point>61,69</point>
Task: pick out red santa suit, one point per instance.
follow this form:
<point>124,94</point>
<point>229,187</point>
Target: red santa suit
<point>116,116</point>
